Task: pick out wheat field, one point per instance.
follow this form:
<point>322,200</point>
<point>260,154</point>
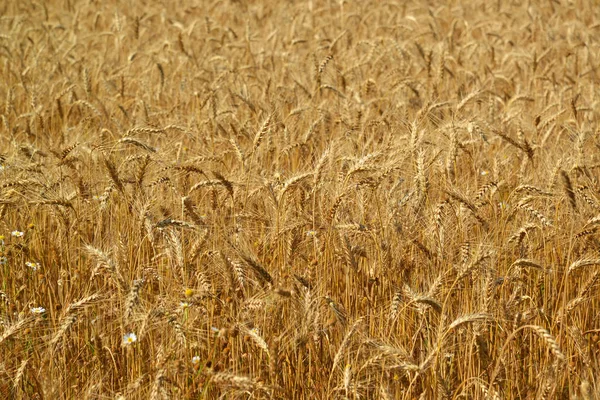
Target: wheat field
<point>299,199</point>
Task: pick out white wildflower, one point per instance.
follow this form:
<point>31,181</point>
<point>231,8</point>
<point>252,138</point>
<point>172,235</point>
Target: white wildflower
<point>129,339</point>
<point>32,265</point>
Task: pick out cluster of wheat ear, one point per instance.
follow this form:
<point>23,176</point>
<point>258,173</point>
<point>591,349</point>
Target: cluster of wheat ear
<point>349,199</point>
